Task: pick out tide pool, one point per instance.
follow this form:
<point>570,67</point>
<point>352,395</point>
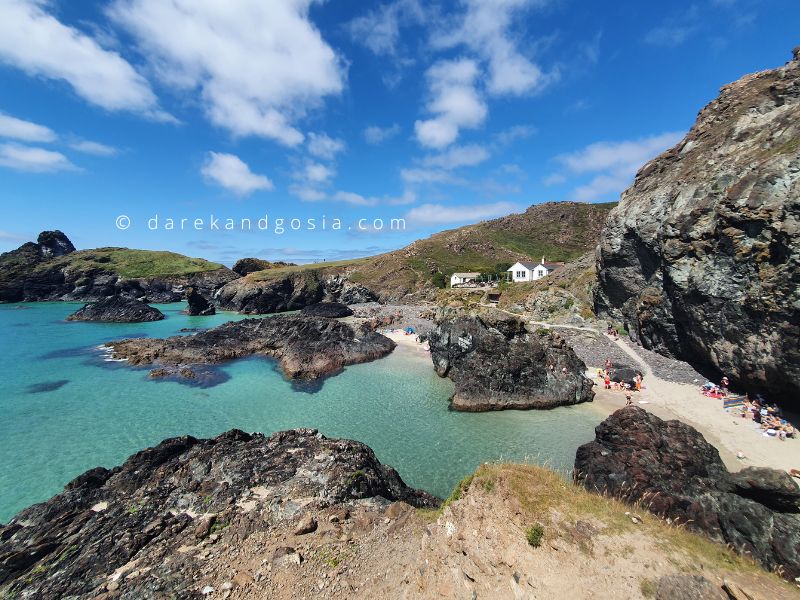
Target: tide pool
<point>65,410</point>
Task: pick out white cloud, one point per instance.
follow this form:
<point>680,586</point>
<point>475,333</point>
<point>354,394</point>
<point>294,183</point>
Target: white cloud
<point>675,30</point>
<point>377,135</point>
<point>307,193</point>
<point>414,176</point>
<point>355,199</point>
<point>379,29</point>
<point>260,66</point>
<point>515,133</point>
<point>11,127</point>
<point>437,214</point>
<point>315,172</point>
<point>232,173</point>
<point>96,148</point>
<point>554,179</point>
<point>35,160</point>
<point>614,163</point>
<point>454,102</point>
<point>37,43</point>
<point>458,156</point>
<point>323,146</point>
<point>485,29</point>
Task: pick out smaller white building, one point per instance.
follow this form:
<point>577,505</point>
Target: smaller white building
<point>457,279</point>
<point>528,271</point>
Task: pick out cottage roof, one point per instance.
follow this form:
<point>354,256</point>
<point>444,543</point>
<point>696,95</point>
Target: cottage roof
<point>466,274</point>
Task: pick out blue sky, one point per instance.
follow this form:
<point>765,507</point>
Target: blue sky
<point>439,113</point>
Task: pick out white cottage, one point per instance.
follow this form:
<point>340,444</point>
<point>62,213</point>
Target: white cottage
<point>462,278</point>
<point>528,271</point>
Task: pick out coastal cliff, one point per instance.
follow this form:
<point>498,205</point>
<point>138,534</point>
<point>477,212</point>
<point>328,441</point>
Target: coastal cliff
<point>701,258</point>
<point>496,363</point>
<point>52,269</point>
<point>669,468</point>
<point>146,528</point>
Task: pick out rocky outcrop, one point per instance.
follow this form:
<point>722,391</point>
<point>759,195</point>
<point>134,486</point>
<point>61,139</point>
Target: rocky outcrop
<point>330,310</point>
<point>289,291</point>
<point>117,309</point>
<point>701,258</point>
<point>144,529</point>
<point>245,266</point>
<point>52,269</point>
<point>669,468</point>
<point>198,304</point>
<point>306,347</point>
<point>496,363</point>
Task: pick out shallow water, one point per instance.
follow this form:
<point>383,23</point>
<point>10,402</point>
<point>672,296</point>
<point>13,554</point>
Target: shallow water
<point>65,409</point>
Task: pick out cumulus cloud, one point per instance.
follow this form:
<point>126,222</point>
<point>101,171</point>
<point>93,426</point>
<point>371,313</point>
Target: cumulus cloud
<point>307,192</point>
<point>27,131</point>
<point>675,30</point>
<point>423,175</point>
<point>438,214</point>
<point>485,28</point>
<point>32,159</point>
<point>514,134</point>
<point>355,199</point>
<point>259,66</point>
<point>34,41</point>
<point>232,173</point>
<point>454,102</point>
<point>95,148</point>
<point>324,147</point>
<point>408,197</point>
<point>613,164</point>
<point>377,135</point>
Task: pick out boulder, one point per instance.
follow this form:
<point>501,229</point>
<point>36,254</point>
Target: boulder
<point>175,495</point>
<point>669,468</point>
<point>496,363</point>
<point>54,243</point>
<point>245,266</point>
<point>701,258</point>
<point>330,310</point>
<point>198,304</point>
<point>306,347</point>
<point>117,309</point>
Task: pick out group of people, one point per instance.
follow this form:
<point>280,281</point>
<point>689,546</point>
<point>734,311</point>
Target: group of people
<point>606,374</point>
<point>768,416</point>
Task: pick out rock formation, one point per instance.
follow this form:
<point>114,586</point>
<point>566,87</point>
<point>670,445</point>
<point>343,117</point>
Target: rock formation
<point>117,309</point>
<point>198,304</point>
<point>331,310</point>
<point>52,269</point>
<point>306,347</point>
<point>496,363</point>
<point>153,515</point>
<point>701,258</point>
<point>245,266</point>
<point>289,291</point>
<point>669,468</point>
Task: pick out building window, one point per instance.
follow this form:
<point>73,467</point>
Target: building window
<point>520,274</point>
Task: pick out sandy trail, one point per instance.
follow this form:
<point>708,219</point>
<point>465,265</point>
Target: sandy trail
<point>729,433</point>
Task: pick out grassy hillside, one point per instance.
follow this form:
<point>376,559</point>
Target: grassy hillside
<point>130,263</point>
<point>561,231</point>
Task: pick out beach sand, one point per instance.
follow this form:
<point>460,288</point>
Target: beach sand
<point>408,344</point>
<point>727,432</point>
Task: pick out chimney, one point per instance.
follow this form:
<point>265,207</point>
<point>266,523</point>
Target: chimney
<point>542,259</point>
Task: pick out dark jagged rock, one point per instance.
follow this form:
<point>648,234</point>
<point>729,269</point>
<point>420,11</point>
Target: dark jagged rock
<point>198,304</point>
<point>701,258</point>
<point>669,468</point>
<point>496,363</point>
<point>108,526</point>
<point>331,310</point>
<point>306,347</point>
<point>117,309</point>
<point>245,266</point>
<point>289,291</point>
<point>53,270</point>
<point>54,243</point>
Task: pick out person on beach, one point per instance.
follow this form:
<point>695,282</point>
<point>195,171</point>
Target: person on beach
<point>607,381</point>
<point>628,400</point>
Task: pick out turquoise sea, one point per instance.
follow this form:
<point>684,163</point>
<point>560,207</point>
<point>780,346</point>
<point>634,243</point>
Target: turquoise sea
<point>64,409</point>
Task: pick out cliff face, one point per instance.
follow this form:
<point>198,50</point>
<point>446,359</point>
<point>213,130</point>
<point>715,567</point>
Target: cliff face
<point>701,258</point>
<point>497,364</point>
<point>51,269</point>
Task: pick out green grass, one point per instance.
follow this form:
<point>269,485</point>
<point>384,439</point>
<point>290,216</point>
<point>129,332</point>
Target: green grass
<point>131,263</point>
<point>278,272</point>
<point>648,588</point>
<point>534,535</point>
